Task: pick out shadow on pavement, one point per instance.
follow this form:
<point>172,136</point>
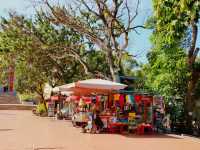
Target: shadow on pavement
<point>160,136</point>
<point>155,135</point>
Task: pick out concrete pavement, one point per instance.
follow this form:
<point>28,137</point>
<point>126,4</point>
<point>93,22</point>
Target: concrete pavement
<point>21,130</point>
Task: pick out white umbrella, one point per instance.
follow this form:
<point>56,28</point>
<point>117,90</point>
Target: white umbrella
<point>92,84</point>
<point>100,84</point>
<point>67,93</point>
<point>66,87</point>
<point>55,89</point>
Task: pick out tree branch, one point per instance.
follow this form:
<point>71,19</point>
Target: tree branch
<point>89,9</point>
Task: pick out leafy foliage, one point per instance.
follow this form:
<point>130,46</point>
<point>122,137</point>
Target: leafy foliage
<point>43,52</point>
<point>40,109</point>
<point>175,16</point>
<point>102,23</point>
<point>167,72</point>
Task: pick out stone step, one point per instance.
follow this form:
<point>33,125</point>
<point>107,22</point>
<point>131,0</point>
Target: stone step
<point>9,99</point>
<point>16,107</point>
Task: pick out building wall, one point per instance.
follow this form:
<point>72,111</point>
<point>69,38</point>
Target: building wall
<point>8,87</point>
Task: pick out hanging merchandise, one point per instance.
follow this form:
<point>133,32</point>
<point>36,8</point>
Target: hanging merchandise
<point>116,97</point>
<point>103,98</point>
<point>126,107</point>
<point>105,102</point>
<point>121,101</point>
<point>127,99</point>
<point>81,103</point>
<point>98,98</point>
<point>110,100</point>
<point>149,115</point>
<point>138,98</point>
<point>117,104</point>
<point>132,100</point>
<point>87,100</point>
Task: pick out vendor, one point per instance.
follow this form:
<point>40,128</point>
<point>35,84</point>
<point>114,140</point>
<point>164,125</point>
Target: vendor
<point>98,122</point>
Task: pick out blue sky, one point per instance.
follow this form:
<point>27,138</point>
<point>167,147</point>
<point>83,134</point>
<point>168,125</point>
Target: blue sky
<point>138,44</point>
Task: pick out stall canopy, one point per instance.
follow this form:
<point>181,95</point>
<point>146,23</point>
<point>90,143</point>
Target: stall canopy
<point>66,87</point>
<point>63,92</point>
<point>92,85</point>
<point>100,84</point>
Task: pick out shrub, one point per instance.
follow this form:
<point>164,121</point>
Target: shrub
<point>40,109</point>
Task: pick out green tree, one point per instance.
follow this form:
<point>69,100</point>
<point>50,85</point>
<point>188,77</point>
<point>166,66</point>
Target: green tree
<point>173,19</point>
<point>45,52</point>
<point>101,23</point>
<point>31,46</point>
<point>166,73</point>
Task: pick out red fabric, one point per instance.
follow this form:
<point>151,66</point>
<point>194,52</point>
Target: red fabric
<point>54,98</point>
<point>87,100</point>
<point>138,98</point>
<point>75,98</point>
<point>121,101</point>
<point>147,99</point>
<point>97,100</point>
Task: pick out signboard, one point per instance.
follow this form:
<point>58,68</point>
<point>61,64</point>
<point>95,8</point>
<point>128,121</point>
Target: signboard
<point>51,107</point>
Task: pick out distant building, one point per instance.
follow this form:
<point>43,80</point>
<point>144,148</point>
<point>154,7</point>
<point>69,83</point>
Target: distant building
<point>8,85</point>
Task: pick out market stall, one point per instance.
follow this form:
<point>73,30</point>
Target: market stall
<point>56,103</point>
<point>128,112</point>
<point>119,111</point>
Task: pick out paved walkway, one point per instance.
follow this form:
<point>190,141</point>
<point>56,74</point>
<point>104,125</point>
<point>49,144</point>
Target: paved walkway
<point>20,130</point>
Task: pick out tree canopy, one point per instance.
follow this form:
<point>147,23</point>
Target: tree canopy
<point>173,59</point>
<point>106,24</point>
<point>43,50</point>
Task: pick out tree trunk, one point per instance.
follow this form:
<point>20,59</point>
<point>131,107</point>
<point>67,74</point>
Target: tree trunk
<point>111,64</point>
<point>189,104</point>
<point>42,100</point>
<point>193,79</point>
